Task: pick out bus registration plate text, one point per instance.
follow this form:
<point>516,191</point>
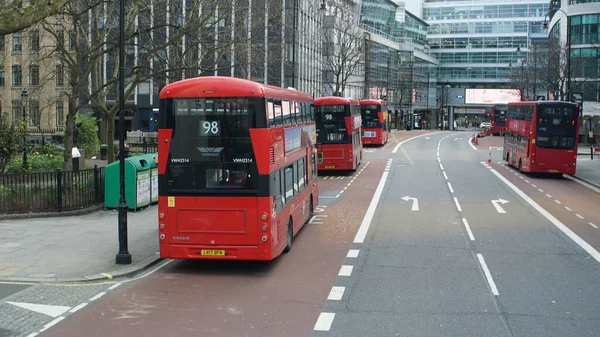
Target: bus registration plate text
<point>212,252</point>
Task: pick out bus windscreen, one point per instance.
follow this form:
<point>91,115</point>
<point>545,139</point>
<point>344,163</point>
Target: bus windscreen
<point>331,124</point>
<point>556,127</point>
<point>211,150</point>
<point>370,116</point>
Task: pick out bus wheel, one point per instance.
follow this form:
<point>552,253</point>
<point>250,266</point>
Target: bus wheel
<point>290,236</point>
<point>520,166</point>
<point>508,158</point>
<point>312,211</point>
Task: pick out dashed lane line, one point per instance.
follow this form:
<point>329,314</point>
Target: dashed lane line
<point>353,253</point>
<point>468,228</point>
<point>450,187</point>
<point>488,275</point>
<point>592,224</point>
<point>457,204</point>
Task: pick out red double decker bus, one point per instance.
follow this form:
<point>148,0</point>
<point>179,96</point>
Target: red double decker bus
<point>499,119</point>
<point>237,168</point>
<point>338,133</point>
<point>374,113</point>
<point>542,136</point>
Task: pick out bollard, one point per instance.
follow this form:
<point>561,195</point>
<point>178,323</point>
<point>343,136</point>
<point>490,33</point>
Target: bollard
<point>490,158</point>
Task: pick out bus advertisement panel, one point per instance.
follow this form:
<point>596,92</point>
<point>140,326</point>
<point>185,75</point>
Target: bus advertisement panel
<point>338,133</point>
<point>542,136</point>
<point>374,113</point>
<point>499,119</point>
<point>237,168</point>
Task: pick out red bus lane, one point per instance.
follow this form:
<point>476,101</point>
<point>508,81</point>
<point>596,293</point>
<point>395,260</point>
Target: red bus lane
<point>570,202</point>
<point>282,297</point>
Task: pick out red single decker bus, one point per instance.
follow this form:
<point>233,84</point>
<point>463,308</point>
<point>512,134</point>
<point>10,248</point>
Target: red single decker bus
<point>338,133</point>
<point>374,113</point>
<point>236,167</point>
<point>499,119</point>
<point>542,136</point>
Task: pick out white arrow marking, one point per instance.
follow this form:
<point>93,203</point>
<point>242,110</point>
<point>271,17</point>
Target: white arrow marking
<point>415,205</point>
<point>457,138</point>
<point>427,137</point>
<point>496,203</point>
<point>50,310</point>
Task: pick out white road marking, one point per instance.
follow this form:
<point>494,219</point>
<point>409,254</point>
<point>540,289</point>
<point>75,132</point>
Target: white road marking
<point>407,156</point>
<point>445,175</point>
<point>439,161</point>
<point>533,185</point>
<point>415,202</point>
<point>345,270</point>
<point>450,187</point>
<point>488,275</point>
<point>353,253</point>
<point>366,222</point>
<point>457,204</point>
<point>499,208</point>
<point>468,229</point>
<point>579,216</point>
<point>114,286</point>
<point>52,323</point>
<point>336,293</point>
<point>77,308</point>
<point>591,224</point>
<point>404,141</point>
<point>548,195</point>
<point>567,208</point>
<point>48,310</point>
<point>324,321</point>
<point>521,177</point>
<point>97,296</point>
<point>581,182</point>
<point>541,190</point>
<point>472,146</point>
<point>441,166</point>
<point>33,334</point>
<point>578,240</point>
<point>558,202</point>
<point>527,181</point>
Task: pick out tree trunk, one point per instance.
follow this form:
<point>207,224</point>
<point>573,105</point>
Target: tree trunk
<point>69,126</point>
<point>110,131</point>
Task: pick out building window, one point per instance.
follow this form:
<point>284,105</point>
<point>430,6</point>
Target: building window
<point>1,44</point>
<point>1,78</point>
<point>60,76</point>
<point>17,43</point>
<point>60,39</point>
<point>17,74</point>
<point>34,40</point>
<point>17,111</point>
<point>71,40</point>
<point>34,75</point>
<point>34,113</point>
<point>59,113</point>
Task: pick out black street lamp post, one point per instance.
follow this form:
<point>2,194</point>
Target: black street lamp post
<point>123,256</point>
<point>555,9</point>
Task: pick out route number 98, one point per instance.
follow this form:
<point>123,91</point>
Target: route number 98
<point>209,128</point>
<point>328,117</point>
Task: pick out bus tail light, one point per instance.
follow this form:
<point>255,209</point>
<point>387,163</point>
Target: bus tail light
<point>161,215</point>
<point>161,226</point>
<point>162,236</point>
<point>264,227</point>
<point>264,238</point>
<point>264,217</point>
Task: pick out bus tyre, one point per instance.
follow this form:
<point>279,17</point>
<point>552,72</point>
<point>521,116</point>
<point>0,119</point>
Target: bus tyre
<point>311,209</point>
<point>290,236</point>
<point>520,166</point>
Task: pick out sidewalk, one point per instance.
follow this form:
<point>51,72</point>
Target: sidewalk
<point>78,248</point>
<point>588,170</point>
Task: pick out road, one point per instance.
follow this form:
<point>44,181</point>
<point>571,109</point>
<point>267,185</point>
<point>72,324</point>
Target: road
<point>425,239</point>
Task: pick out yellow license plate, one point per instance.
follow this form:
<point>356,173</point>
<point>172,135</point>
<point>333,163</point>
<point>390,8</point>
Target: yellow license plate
<point>553,171</point>
<point>212,252</point>
<point>330,166</point>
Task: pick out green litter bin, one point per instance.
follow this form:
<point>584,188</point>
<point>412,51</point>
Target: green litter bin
<point>137,183</point>
<point>151,158</point>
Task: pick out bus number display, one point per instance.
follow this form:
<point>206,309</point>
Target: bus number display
<point>210,128</point>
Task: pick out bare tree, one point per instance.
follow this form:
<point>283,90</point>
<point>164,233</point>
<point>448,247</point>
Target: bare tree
<point>14,17</point>
<point>343,52</point>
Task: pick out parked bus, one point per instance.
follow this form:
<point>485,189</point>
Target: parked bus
<point>499,119</point>
<point>542,136</point>
<point>338,133</point>
<point>374,113</point>
<point>237,168</point>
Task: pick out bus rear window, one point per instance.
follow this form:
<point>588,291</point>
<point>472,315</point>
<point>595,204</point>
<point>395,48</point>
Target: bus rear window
<point>331,123</point>
<point>556,127</point>
<point>211,149</point>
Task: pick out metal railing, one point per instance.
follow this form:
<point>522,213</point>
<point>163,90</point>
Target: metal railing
<point>51,191</point>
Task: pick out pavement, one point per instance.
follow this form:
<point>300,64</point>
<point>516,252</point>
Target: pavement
<point>77,248</point>
<point>588,170</point>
